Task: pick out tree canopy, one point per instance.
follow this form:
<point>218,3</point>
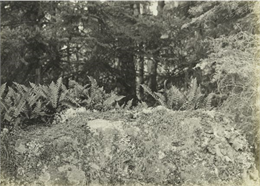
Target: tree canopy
<point>123,44</point>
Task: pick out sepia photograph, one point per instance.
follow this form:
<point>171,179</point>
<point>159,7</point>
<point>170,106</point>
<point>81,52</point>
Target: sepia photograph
<point>130,93</point>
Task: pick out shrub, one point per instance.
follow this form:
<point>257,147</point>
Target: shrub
<point>231,67</point>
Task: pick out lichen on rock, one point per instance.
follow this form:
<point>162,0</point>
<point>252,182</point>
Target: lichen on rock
<point>158,147</point>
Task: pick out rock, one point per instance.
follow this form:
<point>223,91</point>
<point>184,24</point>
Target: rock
<point>102,125</point>
<point>74,175</point>
<point>159,145</point>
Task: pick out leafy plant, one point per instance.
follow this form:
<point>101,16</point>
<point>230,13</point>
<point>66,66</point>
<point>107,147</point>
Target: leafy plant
<point>193,97</point>
<point>112,100</point>
<point>2,104</point>
<point>174,98</point>
<point>55,96</point>
<point>21,104</point>
<point>94,97</point>
<point>157,96</point>
<point>78,91</point>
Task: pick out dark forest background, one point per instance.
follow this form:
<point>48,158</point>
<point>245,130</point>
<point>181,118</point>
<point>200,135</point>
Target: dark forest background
<point>123,44</point>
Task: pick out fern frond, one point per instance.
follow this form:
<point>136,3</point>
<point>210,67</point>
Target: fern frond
<point>129,104</point>
<point>68,100</point>
<point>8,98</point>
<point>44,91</point>
<point>53,93</point>
<point>20,88</point>
<point>7,117</point>
<point>155,96</point>
<point>21,106</point>
<point>192,90</point>
<point>77,89</point>
<point>174,97</point>
<point>143,104</point>
<point>39,110</point>
<point>32,98</point>
<point>59,83</point>
<point>94,86</point>
<point>38,107</point>
<point>2,89</point>
<point>2,101</point>
<point>69,104</point>
<point>13,97</point>
<point>193,96</point>
<point>208,101</point>
<point>112,99</point>
<point>93,81</point>
<point>39,90</point>
<point>160,96</point>
<point>3,107</point>
<point>63,95</point>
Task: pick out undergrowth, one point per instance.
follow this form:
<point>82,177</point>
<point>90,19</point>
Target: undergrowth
<point>24,106</point>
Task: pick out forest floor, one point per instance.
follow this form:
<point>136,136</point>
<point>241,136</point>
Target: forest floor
<point>151,146</point>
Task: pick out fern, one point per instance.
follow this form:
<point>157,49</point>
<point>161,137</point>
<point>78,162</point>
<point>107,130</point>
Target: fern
<point>208,101</point>
<point>96,96</point>
<point>193,89</point>
<point>12,99</point>
<point>54,92</point>
<point>20,88</point>
<point>15,104</point>
<point>174,97</point>
<point>38,108</point>
<point>112,99</point>
<point>193,96</point>
<point>55,95</point>
<point>2,102</point>
<point>2,89</point>
<point>158,96</point>
<point>26,103</point>
<point>161,97</point>
<point>93,82</point>
<point>76,90</point>
<point>128,104</point>
<point>20,107</point>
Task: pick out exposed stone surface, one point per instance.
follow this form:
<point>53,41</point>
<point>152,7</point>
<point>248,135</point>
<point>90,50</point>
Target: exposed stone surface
<point>158,146</point>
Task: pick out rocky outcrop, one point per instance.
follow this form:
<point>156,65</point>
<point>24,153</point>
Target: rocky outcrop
<point>152,146</point>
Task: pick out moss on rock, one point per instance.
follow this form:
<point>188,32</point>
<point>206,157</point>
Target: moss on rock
<point>155,147</point>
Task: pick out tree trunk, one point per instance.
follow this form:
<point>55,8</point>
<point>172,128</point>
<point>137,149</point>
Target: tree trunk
<point>152,82</point>
<point>128,73</point>
<point>160,6</point>
<point>140,77</point>
<point>38,76</point>
<point>77,64</point>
